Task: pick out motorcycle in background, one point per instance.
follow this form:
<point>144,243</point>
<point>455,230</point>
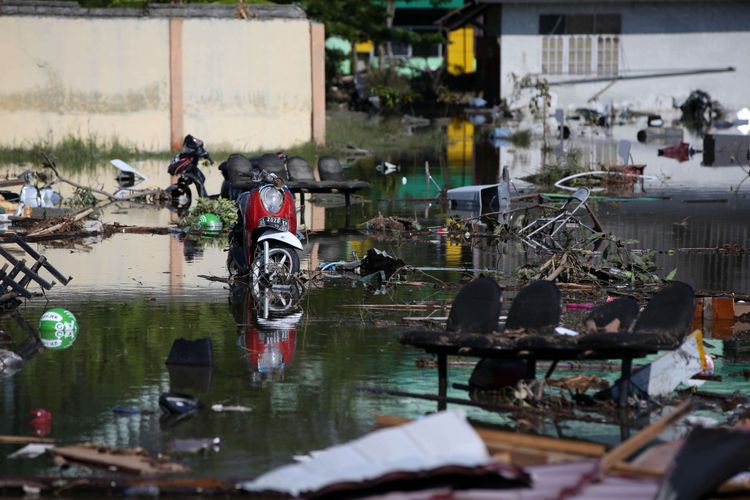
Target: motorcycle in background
<point>263,243</point>
<point>186,166</point>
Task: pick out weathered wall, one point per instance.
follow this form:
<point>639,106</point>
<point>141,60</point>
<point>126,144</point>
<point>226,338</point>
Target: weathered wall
<point>246,84</point>
<point>84,77</point>
<point>663,37</point>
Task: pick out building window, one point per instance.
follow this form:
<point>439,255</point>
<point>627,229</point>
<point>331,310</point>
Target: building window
<point>607,55</point>
<point>401,49</point>
<point>552,55</point>
<point>580,44</point>
<point>426,50</point>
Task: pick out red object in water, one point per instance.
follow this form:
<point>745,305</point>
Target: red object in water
<point>583,306</point>
<point>41,421</point>
<point>679,152</point>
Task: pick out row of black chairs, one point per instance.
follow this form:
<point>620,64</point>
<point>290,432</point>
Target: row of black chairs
<point>537,309</point>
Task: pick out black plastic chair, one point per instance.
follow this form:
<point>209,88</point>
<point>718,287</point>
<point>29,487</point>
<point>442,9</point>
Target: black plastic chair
<point>536,308</point>
<point>612,317</point>
<point>330,169</point>
<point>271,164</point>
<point>299,169</point>
<point>663,324</point>
<point>476,308</point>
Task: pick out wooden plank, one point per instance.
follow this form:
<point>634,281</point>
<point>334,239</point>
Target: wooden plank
<point>637,470</point>
<point>122,461</point>
<point>627,448</point>
<point>505,440</point>
<point>25,440</point>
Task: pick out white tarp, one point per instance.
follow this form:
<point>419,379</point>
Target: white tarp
<point>444,438</point>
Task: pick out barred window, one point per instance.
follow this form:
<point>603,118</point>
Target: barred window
<point>552,55</point>
<point>607,55</point>
<point>580,44</point>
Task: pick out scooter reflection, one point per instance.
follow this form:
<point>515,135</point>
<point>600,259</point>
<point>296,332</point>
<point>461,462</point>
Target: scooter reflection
<point>267,321</point>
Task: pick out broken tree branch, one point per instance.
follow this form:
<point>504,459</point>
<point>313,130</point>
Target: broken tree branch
<point>51,229</point>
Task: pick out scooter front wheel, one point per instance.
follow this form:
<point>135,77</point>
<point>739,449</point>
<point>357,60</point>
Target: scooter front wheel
<point>283,264</point>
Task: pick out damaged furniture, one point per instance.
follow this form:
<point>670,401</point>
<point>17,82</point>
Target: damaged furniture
<point>15,281</point>
<point>332,180</point>
<point>553,232</point>
<point>662,325</point>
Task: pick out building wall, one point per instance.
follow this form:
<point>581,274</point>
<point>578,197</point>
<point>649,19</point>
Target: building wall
<point>655,38</point>
<point>251,84</point>
<point>245,83</point>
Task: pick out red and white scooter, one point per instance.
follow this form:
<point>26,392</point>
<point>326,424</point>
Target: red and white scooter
<point>263,243</point>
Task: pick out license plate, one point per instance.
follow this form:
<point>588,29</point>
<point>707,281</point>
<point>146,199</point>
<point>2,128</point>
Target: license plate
<point>275,222</point>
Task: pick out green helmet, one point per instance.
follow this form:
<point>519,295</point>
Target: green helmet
<point>210,223</point>
<point>58,329</point>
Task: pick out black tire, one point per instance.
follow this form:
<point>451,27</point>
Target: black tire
<point>283,265</point>
<point>179,196</point>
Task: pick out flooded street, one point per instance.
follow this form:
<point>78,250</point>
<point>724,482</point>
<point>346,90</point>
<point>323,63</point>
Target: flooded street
<point>134,294</point>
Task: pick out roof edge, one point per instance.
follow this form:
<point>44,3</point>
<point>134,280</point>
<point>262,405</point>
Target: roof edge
<point>45,8</point>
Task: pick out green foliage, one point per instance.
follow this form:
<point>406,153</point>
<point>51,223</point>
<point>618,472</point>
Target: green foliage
<point>352,20</point>
<point>75,151</point>
<point>225,209</point>
<point>390,98</point>
<point>82,197</point>
<point>521,138</point>
<point>549,174</point>
<point>334,58</point>
<point>393,89</point>
<point>540,99</point>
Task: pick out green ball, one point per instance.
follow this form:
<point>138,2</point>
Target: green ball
<point>58,329</point>
<point>209,222</point>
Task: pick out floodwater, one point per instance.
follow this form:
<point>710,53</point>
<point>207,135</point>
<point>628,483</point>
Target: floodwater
<point>134,294</point>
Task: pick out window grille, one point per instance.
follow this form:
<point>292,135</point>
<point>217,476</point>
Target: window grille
<point>580,44</point>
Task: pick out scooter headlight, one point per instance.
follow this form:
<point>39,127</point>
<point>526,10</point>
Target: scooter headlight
<point>271,198</point>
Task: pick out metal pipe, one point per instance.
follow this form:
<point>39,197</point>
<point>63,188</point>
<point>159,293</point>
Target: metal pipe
<point>640,77</point>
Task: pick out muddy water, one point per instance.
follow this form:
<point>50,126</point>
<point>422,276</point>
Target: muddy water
<point>134,295</point>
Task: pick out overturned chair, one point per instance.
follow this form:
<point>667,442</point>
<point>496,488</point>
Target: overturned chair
<point>573,223</point>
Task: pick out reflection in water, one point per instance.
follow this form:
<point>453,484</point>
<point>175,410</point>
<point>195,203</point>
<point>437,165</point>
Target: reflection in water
<point>267,323</point>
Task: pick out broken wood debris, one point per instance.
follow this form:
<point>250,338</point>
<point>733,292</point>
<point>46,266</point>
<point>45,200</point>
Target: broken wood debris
<point>134,461</point>
<point>391,224</point>
<point>25,440</point>
<point>518,448</point>
<point>617,455</point>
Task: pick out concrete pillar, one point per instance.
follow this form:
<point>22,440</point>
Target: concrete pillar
<point>318,81</point>
<point>176,107</point>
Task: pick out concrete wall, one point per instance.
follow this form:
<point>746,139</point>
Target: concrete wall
<point>235,83</point>
<point>663,37</point>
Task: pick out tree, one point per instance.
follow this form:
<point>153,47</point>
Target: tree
<point>362,20</point>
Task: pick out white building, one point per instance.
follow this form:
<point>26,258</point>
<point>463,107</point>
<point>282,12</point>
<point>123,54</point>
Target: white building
<point>642,52</point>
